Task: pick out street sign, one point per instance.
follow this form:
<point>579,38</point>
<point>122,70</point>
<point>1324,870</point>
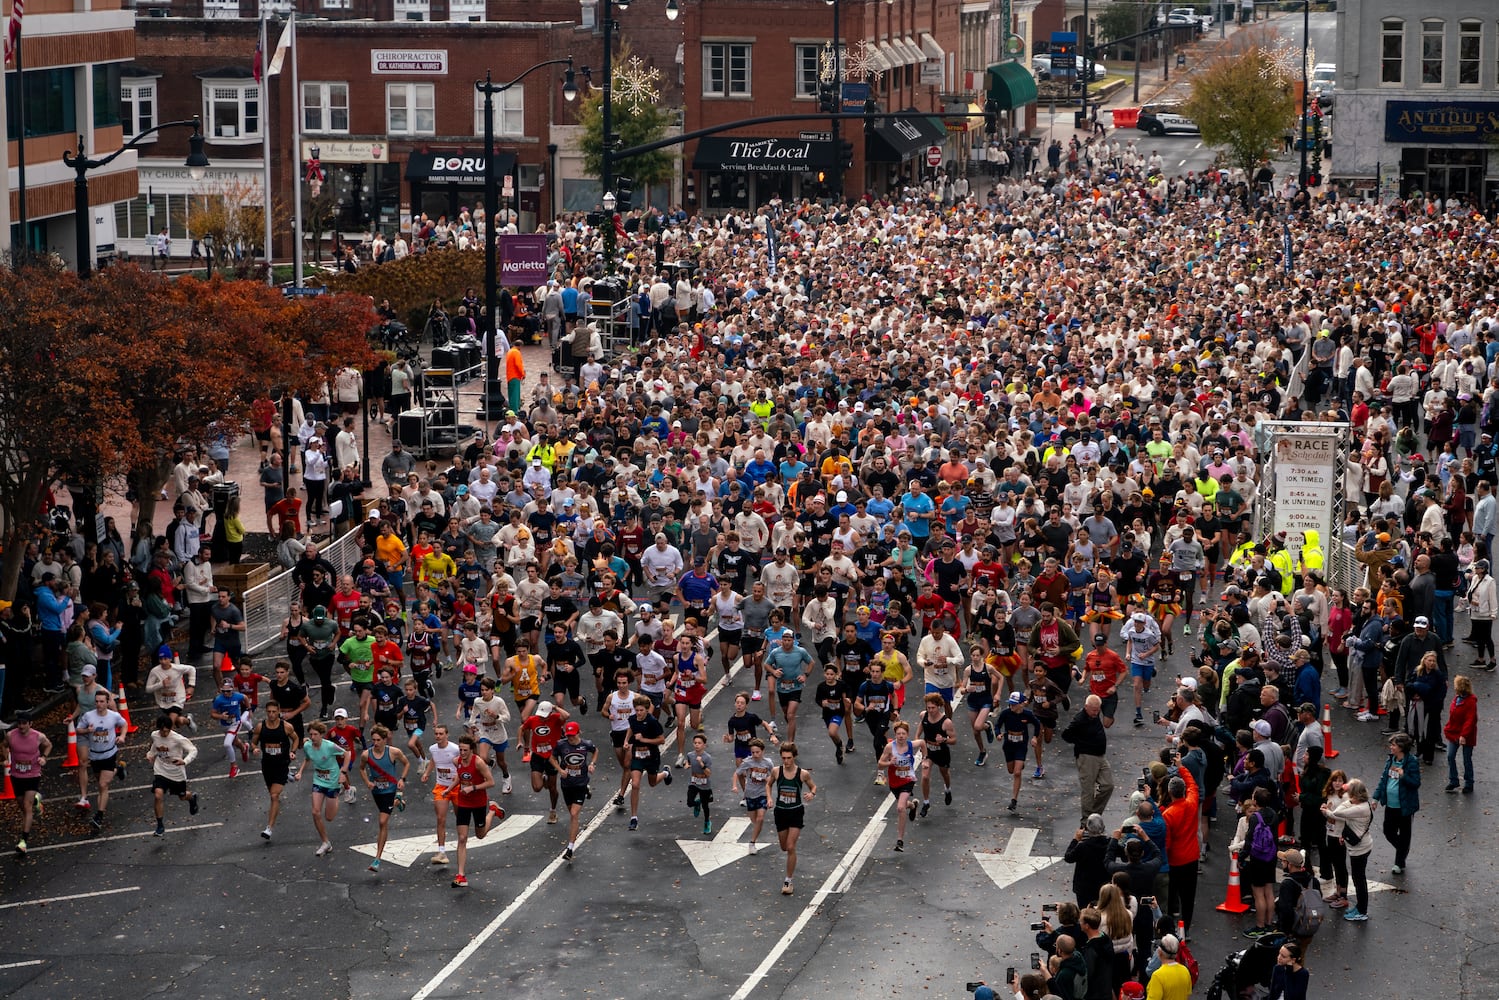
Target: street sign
<point>934,156</point>
<point>816,136</point>
<point>1016,861</point>
<point>1063,53</point>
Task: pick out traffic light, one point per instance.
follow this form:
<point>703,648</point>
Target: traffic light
<point>827,100</point>
<point>624,193</point>
<point>991,116</point>
<point>869,108</point>
<point>1313,179</point>
<point>846,154</point>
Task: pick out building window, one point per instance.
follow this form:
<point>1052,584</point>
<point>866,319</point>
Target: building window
<point>1469,52</point>
<point>231,110</point>
<point>413,10</point>
<point>1431,53</point>
<point>107,95</point>
<point>509,111</point>
<point>409,109</point>
<point>466,10</point>
<point>335,4</point>
<point>1392,51</point>
<point>807,69</point>
<point>221,10</point>
<point>325,107</point>
<point>726,69</point>
<point>138,107</point>
<point>51,102</point>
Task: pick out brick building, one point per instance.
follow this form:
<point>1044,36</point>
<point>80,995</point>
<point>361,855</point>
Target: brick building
<point>72,59</point>
<point>389,106</point>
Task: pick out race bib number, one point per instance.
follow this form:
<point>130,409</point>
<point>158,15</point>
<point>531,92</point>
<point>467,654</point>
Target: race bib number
<point>445,775</point>
<point>22,767</point>
<point>1100,678</point>
<point>1015,737</point>
<point>271,751</point>
<point>1185,577</point>
<point>324,773</point>
<point>641,753</point>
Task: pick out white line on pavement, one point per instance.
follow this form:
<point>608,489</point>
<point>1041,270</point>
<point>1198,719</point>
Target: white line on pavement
<point>117,836</point>
<point>145,788</point>
<point>63,899</point>
<point>493,927</point>
<point>22,965</point>
<point>838,880</point>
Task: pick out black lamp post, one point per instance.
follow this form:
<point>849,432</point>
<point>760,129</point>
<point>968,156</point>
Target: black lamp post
<point>606,167</point>
<point>196,163</point>
<point>1306,35</point>
<point>837,178</point>
<point>491,209</point>
<point>208,251</point>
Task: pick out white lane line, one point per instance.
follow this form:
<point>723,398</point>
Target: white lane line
<point>837,881</point>
<point>503,917</point>
<point>22,965</point>
<point>145,788</point>
<point>117,836</point>
<point>1183,163</point>
<point>63,899</point>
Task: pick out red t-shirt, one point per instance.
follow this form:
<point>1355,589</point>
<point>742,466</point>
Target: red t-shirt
<point>347,736</point>
<point>249,685</point>
<point>387,654</point>
<point>343,607</point>
<point>541,734</point>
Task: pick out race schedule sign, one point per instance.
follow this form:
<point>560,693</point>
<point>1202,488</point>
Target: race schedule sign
<point>1305,480</point>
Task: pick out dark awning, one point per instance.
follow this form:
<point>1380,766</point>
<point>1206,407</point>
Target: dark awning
<point>451,167</point>
<point>897,139</point>
<point>1012,85</point>
<point>768,155</point>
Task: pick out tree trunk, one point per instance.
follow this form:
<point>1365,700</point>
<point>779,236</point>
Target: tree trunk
<point>147,482</point>
<point>18,522</point>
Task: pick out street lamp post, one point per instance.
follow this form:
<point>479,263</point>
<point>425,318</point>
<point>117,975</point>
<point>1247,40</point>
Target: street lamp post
<point>208,252</point>
<point>1306,35</point>
<point>837,103</point>
<point>491,212</point>
<point>196,163</point>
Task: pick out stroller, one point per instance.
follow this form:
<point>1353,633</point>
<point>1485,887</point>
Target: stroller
<point>396,336</point>
<point>1246,974</point>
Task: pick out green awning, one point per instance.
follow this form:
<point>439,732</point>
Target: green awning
<point>1012,85</point>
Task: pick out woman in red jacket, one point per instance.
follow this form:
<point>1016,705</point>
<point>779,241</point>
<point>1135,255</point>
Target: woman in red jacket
<point>1461,732</point>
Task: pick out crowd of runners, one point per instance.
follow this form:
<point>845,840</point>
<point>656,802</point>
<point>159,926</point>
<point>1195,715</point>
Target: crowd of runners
<point>997,458</point>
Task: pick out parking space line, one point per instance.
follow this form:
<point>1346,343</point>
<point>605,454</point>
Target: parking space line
<point>117,836</point>
<point>64,899</point>
<point>837,881</point>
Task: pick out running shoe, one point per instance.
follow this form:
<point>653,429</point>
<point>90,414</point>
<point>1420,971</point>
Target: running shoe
<point>234,770</point>
<point>681,760</point>
<point>926,807</point>
<point>324,848</point>
<point>375,865</point>
<point>440,858</point>
<point>192,723</point>
<point>82,804</point>
<point>981,759</point>
<point>192,804</point>
<point>1367,717</point>
<point>848,747</point>
<point>349,794</point>
<point>911,811</point>
<point>1038,773</point>
<point>619,802</point>
<point>634,822</point>
<point>879,778</point>
<point>120,772</point>
<point>552,817</point>
<point>505,785</point>
<point>666,775</point>
<point>900,846</point>
<point>1355,914</point>
<point>583,707</point>
<point>525,758</point>
<point>265,834</point>
<point>1397,869</point>
<point>567,855</point>
<point>161,830</point>
<point>1338,902</point>
<point>1014,805</point>
<point>786,888</point>
<point>1186,630</point>
<point>499,813</point>
<point>707,827</point>
<point>460,882</point>
<point>1139,722</point>
<point>38,808</point>
<point>400,802</point>
<point>839,753</point>
<point>1340,693</point>
<point>947,796</point>
<point>21,847</point>
<point>756,696</point>
<point>697,810</point>
<point>97,822</point>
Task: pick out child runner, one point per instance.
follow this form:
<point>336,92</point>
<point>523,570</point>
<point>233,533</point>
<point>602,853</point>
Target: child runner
<point>378,769</point>
<point>644,744</point>
<point>488,721</point>
<point>830,698</point>
<point>232,710</point>
<point>899,759</point>
<point>700,781</point>
<point>752,780</point>
<point>1013,724</point>
<point>415,710</point>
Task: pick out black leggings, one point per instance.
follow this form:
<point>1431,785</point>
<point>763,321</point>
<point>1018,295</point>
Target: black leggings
<point>324,669</point>
<point>1358,865</point>
<point>879,732</point>
<point>296,656</point>
<point>1397,830</point>
<point>1335,863</point>
<point>317,492</point>
<point>1482,636</point>
<point>1340,664</point>
<point>1184,891</point>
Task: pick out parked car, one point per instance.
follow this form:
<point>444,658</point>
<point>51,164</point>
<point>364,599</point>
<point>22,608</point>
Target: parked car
<point>1189,15</point>
<point>1324,83</point>
<point>1041,66</point>
<point>1159,119</point>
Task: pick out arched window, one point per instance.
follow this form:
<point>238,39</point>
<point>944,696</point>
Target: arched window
<point>1392,51</point>
<point>1433,35</point>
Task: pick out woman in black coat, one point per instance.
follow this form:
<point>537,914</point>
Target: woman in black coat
<point>1088,853</point>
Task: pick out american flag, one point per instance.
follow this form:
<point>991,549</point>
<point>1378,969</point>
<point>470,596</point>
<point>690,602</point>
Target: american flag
<point>13,29</point>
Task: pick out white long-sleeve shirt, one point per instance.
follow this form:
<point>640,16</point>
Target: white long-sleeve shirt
<point>166,750</point>
<point>169,684</point>
<point>940,658</point>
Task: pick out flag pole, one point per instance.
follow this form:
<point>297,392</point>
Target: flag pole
<point>296,145</point>
<point>265,126</point>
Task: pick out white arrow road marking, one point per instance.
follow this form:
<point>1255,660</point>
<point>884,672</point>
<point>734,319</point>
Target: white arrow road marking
<point>724,849</point>
<point>1015,862</point>
<point>407,850</point>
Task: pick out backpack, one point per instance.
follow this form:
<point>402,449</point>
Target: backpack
<point>1261,841</point>
<point>1309,912</point>
<point>1185,957</point>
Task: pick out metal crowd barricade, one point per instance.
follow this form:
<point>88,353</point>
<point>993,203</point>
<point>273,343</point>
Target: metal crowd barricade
<point>265,605</point>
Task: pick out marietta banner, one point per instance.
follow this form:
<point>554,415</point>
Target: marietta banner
<point>523,259</point>
<point>1305,477</point>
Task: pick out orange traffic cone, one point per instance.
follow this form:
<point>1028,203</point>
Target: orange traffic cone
<point>6,792</point>
<point>130,727</point>
<point>1328,753</point>
<point>1232,903</point>
<point>71,761</point>
<point>228,666</point>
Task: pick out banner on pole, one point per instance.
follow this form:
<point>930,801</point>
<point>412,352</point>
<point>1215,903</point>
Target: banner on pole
<point>523,259</point>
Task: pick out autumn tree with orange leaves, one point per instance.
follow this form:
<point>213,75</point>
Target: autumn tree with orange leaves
<point>112,376</point>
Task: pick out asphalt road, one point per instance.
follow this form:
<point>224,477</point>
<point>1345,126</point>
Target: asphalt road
<point>214,909</point>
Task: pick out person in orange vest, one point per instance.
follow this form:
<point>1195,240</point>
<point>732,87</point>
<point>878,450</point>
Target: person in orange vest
<point>515,373</point>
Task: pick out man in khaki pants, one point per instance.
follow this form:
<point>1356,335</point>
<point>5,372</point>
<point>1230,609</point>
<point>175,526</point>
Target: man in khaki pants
<point>1090,743</point>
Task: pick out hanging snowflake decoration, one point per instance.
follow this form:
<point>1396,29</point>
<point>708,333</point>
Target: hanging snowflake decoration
<point>826,71</point>
<point>635,84</point>
<point>1285,62</point>
<point>858,62</point>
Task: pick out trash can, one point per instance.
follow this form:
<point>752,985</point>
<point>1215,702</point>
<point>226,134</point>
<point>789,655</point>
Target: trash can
<point>1079,119</point>
<point>219,544</point>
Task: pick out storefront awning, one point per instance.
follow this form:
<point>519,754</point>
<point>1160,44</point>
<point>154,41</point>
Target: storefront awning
<point>930,47</point>
<point>454,167</point>
<point>766,156</point>
<point>877,61</point>
<point>1011,84</point>
<point>893,56</point>
<point>898,139</point>
<point>913,51</point>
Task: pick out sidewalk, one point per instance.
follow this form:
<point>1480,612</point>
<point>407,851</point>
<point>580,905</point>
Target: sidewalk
<point>244,463</point>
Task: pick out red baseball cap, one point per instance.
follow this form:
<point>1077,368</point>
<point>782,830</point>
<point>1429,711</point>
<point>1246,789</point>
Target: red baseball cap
<point>572,729</point>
